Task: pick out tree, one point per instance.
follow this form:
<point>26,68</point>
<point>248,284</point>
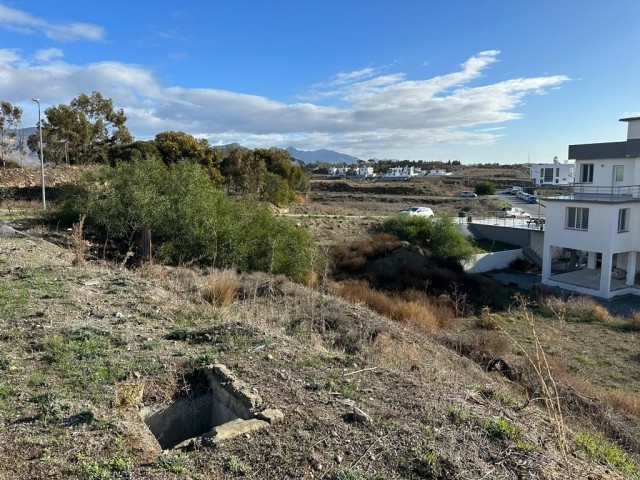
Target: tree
<point>485,188</point>
<point>236,168</point>
<point>10,118</point>
<point>82,131</point>
<point>131,152</point>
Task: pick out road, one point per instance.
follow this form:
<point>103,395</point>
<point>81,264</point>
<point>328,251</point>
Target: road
<point>535,210</point>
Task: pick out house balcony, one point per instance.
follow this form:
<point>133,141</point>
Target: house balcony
<point>588,192</point>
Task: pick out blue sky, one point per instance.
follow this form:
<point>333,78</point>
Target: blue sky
<point>473,80</point>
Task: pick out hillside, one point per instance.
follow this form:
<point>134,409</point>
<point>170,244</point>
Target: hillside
<point>85,348</point>
<point>323,155</point>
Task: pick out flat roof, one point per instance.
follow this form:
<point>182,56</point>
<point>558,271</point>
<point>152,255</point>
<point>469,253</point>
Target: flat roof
<point>629,119</point>
<point>609,150</point>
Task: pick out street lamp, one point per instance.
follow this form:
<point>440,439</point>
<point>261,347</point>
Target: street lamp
<point>44,201</point>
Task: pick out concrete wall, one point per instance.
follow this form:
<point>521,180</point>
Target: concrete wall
<point>514,236</point>
<point>486,262</point>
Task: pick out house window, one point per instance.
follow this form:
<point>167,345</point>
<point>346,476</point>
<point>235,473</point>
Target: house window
<point>623,220</point>
<point>618,173</point>
<point>577,218</point>
<point>586,173</point>
<point>557,171</point>
<point>548,175</point>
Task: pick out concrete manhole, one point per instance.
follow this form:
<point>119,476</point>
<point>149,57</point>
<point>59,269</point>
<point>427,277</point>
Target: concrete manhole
<point>226,408</point>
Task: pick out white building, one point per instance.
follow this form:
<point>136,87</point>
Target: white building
<point>365,171</point>
<point>399,173</point>
<point>555,173</point>
<point>592,234</point>
<point>438,172</point>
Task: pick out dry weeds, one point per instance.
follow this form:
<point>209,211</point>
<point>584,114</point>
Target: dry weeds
<point>575,307</point>
<point>220,287</point>
<point>418,311</point>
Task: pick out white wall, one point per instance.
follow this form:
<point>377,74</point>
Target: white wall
<point>486,262</point>
<point>603,171</point>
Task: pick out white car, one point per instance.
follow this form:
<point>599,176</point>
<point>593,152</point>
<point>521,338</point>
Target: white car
<point>417,211</point>
<point>468,195</point>
<point>512,212</point>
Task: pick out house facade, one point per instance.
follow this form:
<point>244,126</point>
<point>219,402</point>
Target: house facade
<point>556,173</point>
<point>592,234</point>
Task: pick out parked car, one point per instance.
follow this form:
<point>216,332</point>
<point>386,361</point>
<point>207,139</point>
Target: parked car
<point>468,194</point>
<point>532,199</point>
<point>512,212</point>
<point>417,211</point>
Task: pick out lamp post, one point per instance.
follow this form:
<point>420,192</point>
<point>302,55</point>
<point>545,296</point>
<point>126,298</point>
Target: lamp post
<point>44,201</point>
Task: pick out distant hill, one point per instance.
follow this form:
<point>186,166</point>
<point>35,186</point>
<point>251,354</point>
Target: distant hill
<point>329,156</point>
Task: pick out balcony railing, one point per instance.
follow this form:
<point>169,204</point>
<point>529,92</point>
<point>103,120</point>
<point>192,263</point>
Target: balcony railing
<point>597,193</point>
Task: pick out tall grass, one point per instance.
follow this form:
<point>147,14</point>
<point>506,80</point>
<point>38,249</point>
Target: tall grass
<point>414,308</point>
<point>574,308</point>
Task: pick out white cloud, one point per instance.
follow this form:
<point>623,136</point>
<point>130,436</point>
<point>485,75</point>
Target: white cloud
<point>49,54</point>
<point>25,23</point>
<point>370,114</point>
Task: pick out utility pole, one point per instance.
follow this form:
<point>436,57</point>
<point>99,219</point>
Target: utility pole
<point>44,201</point>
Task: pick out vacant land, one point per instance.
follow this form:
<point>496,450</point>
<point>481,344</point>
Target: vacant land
<point>84,348</point>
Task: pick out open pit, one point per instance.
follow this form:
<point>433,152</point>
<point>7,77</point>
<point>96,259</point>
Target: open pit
<point>221,408</point>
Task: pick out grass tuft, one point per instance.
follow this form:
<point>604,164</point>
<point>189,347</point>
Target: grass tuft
<point>220,287</point>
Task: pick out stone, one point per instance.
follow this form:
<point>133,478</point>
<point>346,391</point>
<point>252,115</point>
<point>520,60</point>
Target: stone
<point>271,415</point>
<point>361,416</point>
<point>235,428</point>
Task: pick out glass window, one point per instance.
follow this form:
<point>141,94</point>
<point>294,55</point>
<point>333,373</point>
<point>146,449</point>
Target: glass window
<point>548,175</point>
<point>618,173</point>
<point>577,218</point>
<point>623,220</point>
<point>586,173</point>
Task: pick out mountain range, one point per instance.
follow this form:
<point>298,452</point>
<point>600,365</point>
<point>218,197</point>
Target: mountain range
<point>328,156</point>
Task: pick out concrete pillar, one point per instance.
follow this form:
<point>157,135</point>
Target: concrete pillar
<point>546,264</point>
<point>605,274</point>
<point>591,260</point>
<point>631,268</point>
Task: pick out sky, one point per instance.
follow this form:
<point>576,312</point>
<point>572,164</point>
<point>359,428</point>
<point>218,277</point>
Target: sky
<point>471,80</point>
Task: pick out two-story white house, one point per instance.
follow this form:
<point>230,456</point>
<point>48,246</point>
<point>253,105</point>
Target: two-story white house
<point>592,234</point>
<point>556,173</point>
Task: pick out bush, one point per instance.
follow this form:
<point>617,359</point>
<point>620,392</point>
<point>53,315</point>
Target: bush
<point>485,188</point>
<point>439,235</point>
<point>190,220</point>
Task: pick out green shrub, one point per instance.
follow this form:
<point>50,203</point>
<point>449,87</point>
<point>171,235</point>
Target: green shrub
<point>439,235</point>
<point>190,220</point>
<point>605,452</point>
<point>485,188</point>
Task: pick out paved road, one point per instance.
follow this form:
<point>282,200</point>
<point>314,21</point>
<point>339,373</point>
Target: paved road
<point>535,210</point>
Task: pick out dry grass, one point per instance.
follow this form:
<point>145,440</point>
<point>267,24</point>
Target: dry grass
<point>635,321</point>
<point>220,287</point>
<point>414,311</point>
<point>576,308</point>
<point>487,321</point>
<point>353,257</point>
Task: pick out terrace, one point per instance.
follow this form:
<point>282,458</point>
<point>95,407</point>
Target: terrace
<point>588,192</point>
